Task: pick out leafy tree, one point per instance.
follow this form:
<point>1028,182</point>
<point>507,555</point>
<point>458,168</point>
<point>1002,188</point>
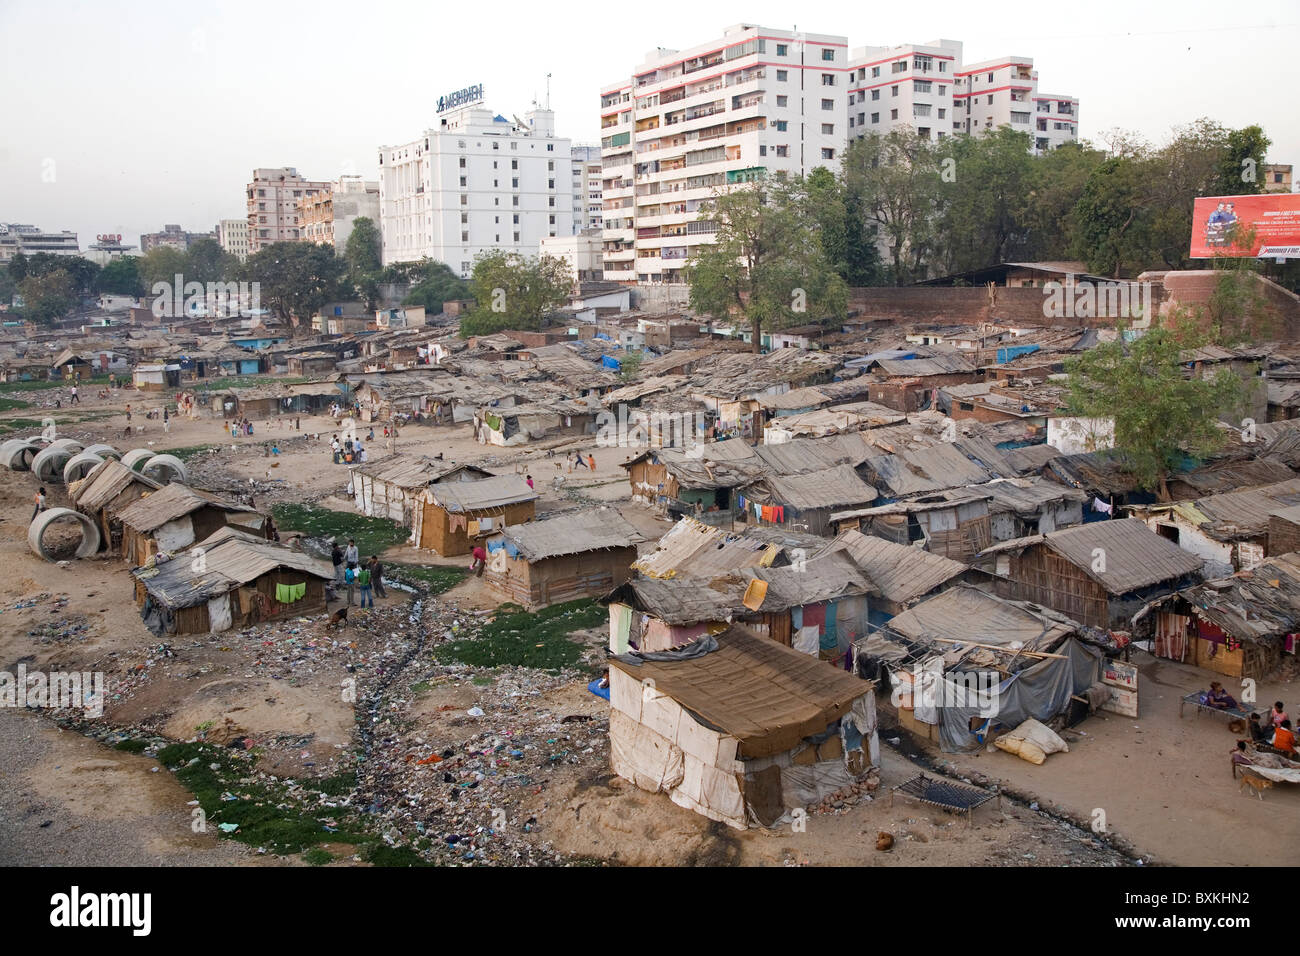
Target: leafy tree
<point>79,270</point>
<point>895,179</point>
<point>121,276</point>
<point>162,264</point>
<point>206,261</point>
<point>848,242</point>
<point>1161,413</point>
<point>629,364</point>
<point>297,278</point>
<point>513,292</point>
<point>47,296</point>
<point>1242,164</point>
<point>983,216</point>
<point>364,260</point>
<point>1112,227</point>
<point>766,265</point>
<point>1056,182</point>
<point>436,285</point>
<point>8,286</point>
<point>18,267</point>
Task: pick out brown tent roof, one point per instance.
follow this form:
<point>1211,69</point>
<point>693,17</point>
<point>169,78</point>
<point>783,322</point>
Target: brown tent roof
<point>174,501</point>
<point>899,572</point>
<point>765,694</point>
<point>105,482</point>
<point>572,534</point>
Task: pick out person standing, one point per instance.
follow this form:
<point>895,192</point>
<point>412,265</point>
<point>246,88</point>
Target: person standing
<point>166,421</point>
<point>128,413</point>
<point>363,579</point>
<point>336,556</point>
<point>529,480</point>
<point>377,576</point>
<point>350,579</point>
<point>41,502</point>
<point>480,560</point>
<point>74,400</point>
<point>591,462</point>
<point>352,556</point>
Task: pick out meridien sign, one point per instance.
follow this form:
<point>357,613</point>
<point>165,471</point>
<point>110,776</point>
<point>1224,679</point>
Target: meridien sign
<point>470,94</point>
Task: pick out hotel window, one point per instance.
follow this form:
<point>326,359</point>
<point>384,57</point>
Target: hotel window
<point>943,66</point>
<point>828,104</point>
<point>464,200</point>
<point>782,49</point>
<point>550,167</point>
<point>783,151</point>
<point>893,114</point>
<point>899,66</point>
<point>514,164</point>
<point>828,79</point>
<point>516,237</point>
<point>875,94</point>
<point>550,147</point>
<point>990,77</point>
<point>782,100</point>
<point>828,154</point>
<point>514,145</point>
<point>464,217</point>
<point>514,182</point>
<point>552,220</point>
<point>552,200</point>
<point>494,145</point>
<point>921,86</point>
<point>828,129</point>
<point>516,219</point>
<point>990,99</point>
<point>828,55</point>
<point>875,117</point>
<point>875,71</point>
<point>862,119</point>
<point>893,91</point>
<point>942,113</point>
<point>762,150</point>
<point>782,75</point>
<point>782,125</point>
<point>464,181</point>
<point>943,90</point>
<point>462,162</point>
<point>464,266</point>
<point>464,236</point>
<point>551,184</point>
<point>514,200</point>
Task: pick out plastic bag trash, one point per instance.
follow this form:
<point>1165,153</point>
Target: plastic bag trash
<point>475,712</point>
<point>228,827</point>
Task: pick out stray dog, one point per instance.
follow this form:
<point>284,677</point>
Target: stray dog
<point>1260,784</point>
<point>339,618</point>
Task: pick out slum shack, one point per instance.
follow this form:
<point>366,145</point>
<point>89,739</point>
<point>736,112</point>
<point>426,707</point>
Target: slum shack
<point>901,574</point>
<point>452,517</point>
<point>806,502</point>
<point>953,523</point>
<point>1100,574</point>
<point>1239,626</point>
<point>176,516</point>
<point>238,580</point>
<point>560,559</point>
<point>738,728</point>
<point>105,492</point>
<point>390,488</point>
<point>964,665</point>
<point>699,481</point>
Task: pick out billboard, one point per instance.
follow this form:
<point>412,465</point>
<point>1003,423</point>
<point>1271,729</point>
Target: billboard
<point>1221,226</point>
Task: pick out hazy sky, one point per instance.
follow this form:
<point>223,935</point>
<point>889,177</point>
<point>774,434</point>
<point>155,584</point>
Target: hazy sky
<point>143,113</point>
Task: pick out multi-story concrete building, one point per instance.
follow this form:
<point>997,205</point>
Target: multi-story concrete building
<point>911,85</point>
<point>928,87</point>
<point>588,212</point>
<point>107,247</point>
<point>689,123</point>
<point>29,240</point>
<point>475,183</point>
<point>273,205</point>
<point>1277,177</point>
<point>172,236</point>
<point>582,253</point>
<point>1004,92</point>
<point>233,236</point>
<point>326,217</point>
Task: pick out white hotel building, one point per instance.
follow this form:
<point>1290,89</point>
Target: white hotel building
<point>1005,91</point>
<point>588,209</point>
<point>687,123</point>
<point>475,183</point>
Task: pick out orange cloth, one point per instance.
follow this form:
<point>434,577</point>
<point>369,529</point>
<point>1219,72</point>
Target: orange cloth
<point>1284,739</point>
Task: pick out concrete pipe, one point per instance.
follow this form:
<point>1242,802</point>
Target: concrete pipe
<point>17,454</point>
<point>103,451</point>
<point>90,537</point>
<point>71,444</point>
<point>164,468</point>
<point>48,465</point>
<point>79,466</point>
<point>136,457</point>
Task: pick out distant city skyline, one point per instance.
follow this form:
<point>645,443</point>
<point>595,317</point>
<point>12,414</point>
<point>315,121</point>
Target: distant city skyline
<point>123,119</point>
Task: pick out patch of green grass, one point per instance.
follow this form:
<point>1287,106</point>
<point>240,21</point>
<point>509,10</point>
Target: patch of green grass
<point>436,578</point>
<point>186,452</point>
<point>516,637</point>
<point>9,404</point>
<point>482,681</point>
<point>131,746</point>
<point>381,854</point>
<point>267,816</point>
<point>37,385</point>
<point>420,686</point>
<point>373,535</point>
<point>246,381</point>
<point>338,785</point>
<point>317,857</point>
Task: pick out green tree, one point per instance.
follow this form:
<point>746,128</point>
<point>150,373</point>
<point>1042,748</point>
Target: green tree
<point>121,277</point>
<point>297,278</point>
<point>895,178</point>
<point>206,261</point>
<point>1162,414</point>
<point>18,267</point>
<point>983,211</point>
<point>1242,165</point>
<point>1111,217</point>
<point>80,271</point>
<point>8,286</point>
<point>435,285</point>
<point>162,264</point>
<point>766,265</point>
<point>629,365</point>
<point>848,241</point>
<point>514,292</point>
<point>47,296</point>
<point>364,260</point>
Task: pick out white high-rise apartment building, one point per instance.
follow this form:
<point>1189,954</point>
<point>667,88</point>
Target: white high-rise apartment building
<point>475,183</point>
<point>1005,91</point>
<point>911,85</point>
<point>273,197</point>
<point>687,124</point>
<point>928,87</point>
<point>588,211</point>
<point>232,234</point>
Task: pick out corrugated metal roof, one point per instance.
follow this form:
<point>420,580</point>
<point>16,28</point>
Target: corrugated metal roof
<point>409,471</point>
<point>900,573</point>
<point>486,493</point>
<point>174,501</point>
<point>828,488</point>
<point>105,482</point>
<point>693,548</point>
<point>572,534</point>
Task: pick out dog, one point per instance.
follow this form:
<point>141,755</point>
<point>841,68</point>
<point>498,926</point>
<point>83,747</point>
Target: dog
<point>340,618</point>
<point>1260,784</point>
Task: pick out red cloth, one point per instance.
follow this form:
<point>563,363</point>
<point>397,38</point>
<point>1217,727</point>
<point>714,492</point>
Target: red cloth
<point>814,614</point>
<point>480,554</point>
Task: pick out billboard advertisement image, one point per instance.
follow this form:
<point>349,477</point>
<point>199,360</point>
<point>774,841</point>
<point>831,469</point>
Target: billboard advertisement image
<point>1223,226</point>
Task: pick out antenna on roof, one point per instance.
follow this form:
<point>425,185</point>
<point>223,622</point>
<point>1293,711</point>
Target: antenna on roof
<point>548,91</point>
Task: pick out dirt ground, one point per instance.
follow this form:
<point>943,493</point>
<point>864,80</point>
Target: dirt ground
<point>1165,787</point>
